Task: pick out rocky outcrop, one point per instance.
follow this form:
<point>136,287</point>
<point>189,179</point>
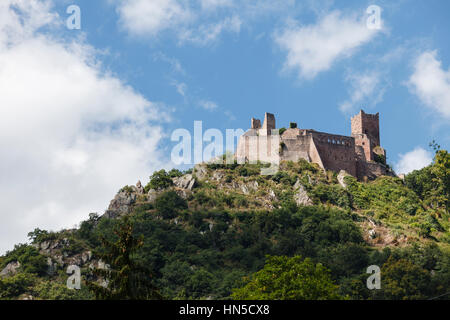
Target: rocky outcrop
<point>341,178</point>
<point>185,182</point>
<point>272,195</point>
<point>301,196</point>
<point>201,171</point>
<point>139,187</point>
<point>218,175</point>
<point>121,204</point>
<point>152,195</point>
<point>10,269</point>
<point>247,187</point>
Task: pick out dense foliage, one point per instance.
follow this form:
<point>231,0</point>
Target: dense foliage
<point>284,278</point>
<point>224,239</point>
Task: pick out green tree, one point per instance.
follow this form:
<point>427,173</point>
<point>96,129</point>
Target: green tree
<point>441,179</point>
<point>159,180</point>
<point>126,278</point>
<point>169,203</point>
<point>12,287</point>
<point>403,280</point>
<point>31,261</point>
<point>284,278</point>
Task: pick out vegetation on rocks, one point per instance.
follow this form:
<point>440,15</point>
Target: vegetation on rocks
<point>237,234</point>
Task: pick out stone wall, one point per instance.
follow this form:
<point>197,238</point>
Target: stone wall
<point>368,124</point>
<point>371,170</point>
<point>269,121</point>
<point>354,154</point>
<point>336,152</point>
<point>255,124</point>
<point>254,146</point>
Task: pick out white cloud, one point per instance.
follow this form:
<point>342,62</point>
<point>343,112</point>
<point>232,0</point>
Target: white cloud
<point>312,49</point>
<point>142,17</point>
<point>215,4</point>
<point>206,34</point>
<point>413,160</point>
<point>174,63</point>
<point>150,18</point>
<point>70,134</point>
<point>180,86</point>
<point>365,88</point>
<point>208,105</point>
<point>193,21</point>
<point>431,83</point>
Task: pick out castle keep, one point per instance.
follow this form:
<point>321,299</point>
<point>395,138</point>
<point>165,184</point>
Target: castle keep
<point>359,154</point>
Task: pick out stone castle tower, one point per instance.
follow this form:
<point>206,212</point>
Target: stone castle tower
<point>359,154</point>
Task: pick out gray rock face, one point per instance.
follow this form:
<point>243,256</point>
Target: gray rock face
<point>183,193</point>
<point>342,174</point>
<point>272,195</point>
<point>301,197</point>
<point>139,187</point>
<point>217,175</point>
<point>244,189</point>
<point>121,204</point>
<point>152,195</point>
<point>185,182</point>
<point>201,171</point>
<point>247,187</point>
<point>10,269</point>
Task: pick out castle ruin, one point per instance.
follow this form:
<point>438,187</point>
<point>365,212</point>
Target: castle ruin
<point>359,154</point>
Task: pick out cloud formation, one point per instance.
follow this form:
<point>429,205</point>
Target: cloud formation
<point>413,160</point>
<point>312,49</point>
<point>200,22</point>
<point>430,82</point>
<point>142,17</point>
<point>364,88</point>
<point>208,105</point>
<point>70,134</point>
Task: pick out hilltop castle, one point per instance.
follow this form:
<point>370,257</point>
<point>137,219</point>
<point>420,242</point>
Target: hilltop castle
<point>359,154</point>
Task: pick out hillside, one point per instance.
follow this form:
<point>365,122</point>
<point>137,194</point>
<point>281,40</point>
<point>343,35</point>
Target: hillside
<point>207,231</point>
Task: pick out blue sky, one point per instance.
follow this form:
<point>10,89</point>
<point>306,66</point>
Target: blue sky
<point>84,112</point>
<point>242,73</point>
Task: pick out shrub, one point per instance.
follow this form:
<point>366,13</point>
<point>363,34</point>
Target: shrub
<point>30,259</point>
<point>284,178</point>
<point>159,180</point>
<point>169,203</point>
<point>248,170</point>
<point>332,194</point>
<point>175,173</point>
<point>284,278</point>
<point>12,287</point>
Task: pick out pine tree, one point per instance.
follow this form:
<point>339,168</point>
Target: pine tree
<point>125,278</point>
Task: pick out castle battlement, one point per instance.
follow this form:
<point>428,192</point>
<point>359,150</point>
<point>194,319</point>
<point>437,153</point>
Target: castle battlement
<point>359,154</point>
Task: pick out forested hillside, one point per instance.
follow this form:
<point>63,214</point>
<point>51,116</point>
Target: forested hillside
<point>227,232</point>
